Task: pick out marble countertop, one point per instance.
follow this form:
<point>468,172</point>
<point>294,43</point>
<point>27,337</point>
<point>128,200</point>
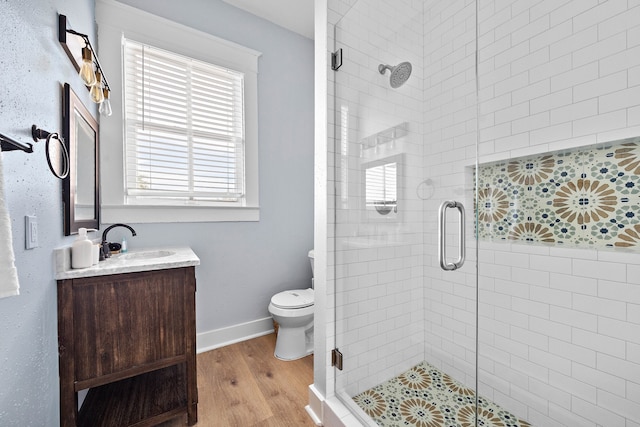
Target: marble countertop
<point>136,260</point>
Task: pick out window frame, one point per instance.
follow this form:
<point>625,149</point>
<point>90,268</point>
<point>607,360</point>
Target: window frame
<point>226,142</point>
<point>115,21</point>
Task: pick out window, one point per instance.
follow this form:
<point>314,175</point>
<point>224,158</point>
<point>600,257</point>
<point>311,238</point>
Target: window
<point>184,133</point>
<point>381,184</point>
<point>381,187</point>
<point>182,143</point>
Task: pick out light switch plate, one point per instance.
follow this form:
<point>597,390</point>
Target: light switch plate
<point>31,231</point>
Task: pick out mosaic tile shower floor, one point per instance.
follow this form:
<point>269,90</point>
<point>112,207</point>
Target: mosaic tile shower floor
<point>423,396</point>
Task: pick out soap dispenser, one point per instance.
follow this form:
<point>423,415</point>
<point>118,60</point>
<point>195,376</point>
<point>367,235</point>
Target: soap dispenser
<point>82,251</point>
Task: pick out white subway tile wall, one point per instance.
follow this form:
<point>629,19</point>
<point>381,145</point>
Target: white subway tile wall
<point>579,83</point>
<point>559,329</point>
<point>450,107</point>
<point>378,258</point>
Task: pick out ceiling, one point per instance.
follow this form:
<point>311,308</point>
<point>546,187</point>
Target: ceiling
<point>294,15</point>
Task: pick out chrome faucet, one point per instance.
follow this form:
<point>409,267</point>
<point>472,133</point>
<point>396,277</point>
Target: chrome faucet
<point>104,246</point>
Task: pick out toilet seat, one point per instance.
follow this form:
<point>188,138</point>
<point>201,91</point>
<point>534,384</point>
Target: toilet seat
<point>293,299</point>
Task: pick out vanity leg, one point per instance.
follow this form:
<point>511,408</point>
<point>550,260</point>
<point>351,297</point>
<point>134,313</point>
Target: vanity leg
<point>66,363</point>
<point>192,372</point>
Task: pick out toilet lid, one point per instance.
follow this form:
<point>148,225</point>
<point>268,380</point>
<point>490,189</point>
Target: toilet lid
<point>297,298</point>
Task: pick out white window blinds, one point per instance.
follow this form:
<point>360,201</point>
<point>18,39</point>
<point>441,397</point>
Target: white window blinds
<point>184,127</point>
<point>381,185</point>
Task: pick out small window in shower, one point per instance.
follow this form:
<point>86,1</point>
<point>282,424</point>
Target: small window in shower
<point>381,187</point>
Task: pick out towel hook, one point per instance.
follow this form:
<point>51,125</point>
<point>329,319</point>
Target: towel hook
<point>60,155</point>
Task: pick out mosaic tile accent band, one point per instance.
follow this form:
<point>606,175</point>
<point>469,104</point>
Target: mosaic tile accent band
<point>587,197</point>
<point>424,396</point>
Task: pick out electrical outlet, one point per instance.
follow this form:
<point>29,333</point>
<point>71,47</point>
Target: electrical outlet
<point>31,231</point>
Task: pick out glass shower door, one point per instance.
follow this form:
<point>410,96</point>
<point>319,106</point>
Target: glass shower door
<point>522,113</point>
<point>404,144</point>
<point>447,193</point>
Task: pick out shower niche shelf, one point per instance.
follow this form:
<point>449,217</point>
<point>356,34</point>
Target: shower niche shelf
<point>385,136</point>
<point>585,197</point>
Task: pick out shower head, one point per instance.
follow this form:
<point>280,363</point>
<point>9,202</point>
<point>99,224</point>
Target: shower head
<point>399,74</point>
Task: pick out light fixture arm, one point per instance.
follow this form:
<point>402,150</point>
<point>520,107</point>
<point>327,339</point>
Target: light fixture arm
<point>66,42</point>
<point>95,56</point>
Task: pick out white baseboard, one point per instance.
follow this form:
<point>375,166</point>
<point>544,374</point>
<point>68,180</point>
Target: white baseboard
<point>332,412</point>
<point>316,420</point>
<point>217,338</point>
<point>314,408</point>
<point>336,414</point>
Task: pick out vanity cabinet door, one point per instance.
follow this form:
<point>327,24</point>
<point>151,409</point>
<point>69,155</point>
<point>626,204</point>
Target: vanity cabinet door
<point>128,321</point>
<point>130,339</point>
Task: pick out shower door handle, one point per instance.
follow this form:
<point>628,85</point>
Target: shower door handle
<point>442,236</point>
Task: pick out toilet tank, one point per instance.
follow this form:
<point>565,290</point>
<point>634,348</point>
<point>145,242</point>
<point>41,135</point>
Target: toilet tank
<point>311,257</point>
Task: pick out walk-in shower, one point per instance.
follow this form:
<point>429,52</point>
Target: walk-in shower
<point>519,117</point>
<point>399,73</point>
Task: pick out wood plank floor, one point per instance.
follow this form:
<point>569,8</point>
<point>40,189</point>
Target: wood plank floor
<point>244,385</point>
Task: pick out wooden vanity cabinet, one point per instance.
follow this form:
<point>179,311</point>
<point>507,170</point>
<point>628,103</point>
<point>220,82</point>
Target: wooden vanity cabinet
<point>130,340</point>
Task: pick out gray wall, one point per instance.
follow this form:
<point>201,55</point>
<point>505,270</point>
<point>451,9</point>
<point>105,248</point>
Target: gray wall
<point>243,264</point>
<point>33,67</point>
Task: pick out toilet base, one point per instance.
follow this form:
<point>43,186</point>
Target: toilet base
<point>294,343</point>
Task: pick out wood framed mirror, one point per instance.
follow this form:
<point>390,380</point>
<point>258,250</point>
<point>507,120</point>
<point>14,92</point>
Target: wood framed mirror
<point>81,188</point>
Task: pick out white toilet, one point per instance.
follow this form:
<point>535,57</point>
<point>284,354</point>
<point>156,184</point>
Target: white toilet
<point>293,310</point>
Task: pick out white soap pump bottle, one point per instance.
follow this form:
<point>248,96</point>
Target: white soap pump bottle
<point>82,250</point>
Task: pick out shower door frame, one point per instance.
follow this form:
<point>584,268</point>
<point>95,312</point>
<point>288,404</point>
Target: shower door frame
<point>585,276</point>
<point>425,192</point>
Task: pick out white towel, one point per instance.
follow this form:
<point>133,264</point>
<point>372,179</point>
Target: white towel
<point>8,274</point>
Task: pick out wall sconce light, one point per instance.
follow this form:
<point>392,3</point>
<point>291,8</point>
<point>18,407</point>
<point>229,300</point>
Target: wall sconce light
<point>87,72</point>
<point>105,106</point>
<point>96,90</point>
<point>84,59</point>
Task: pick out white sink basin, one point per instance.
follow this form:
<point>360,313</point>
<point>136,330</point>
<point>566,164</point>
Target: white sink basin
<point>144,255</point>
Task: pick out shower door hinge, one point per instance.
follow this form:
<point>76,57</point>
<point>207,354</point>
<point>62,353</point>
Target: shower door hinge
<point>336,358</point>
<point>336,59</point>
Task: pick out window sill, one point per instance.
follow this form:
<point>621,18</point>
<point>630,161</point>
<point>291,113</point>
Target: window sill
<point>167,214</point>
